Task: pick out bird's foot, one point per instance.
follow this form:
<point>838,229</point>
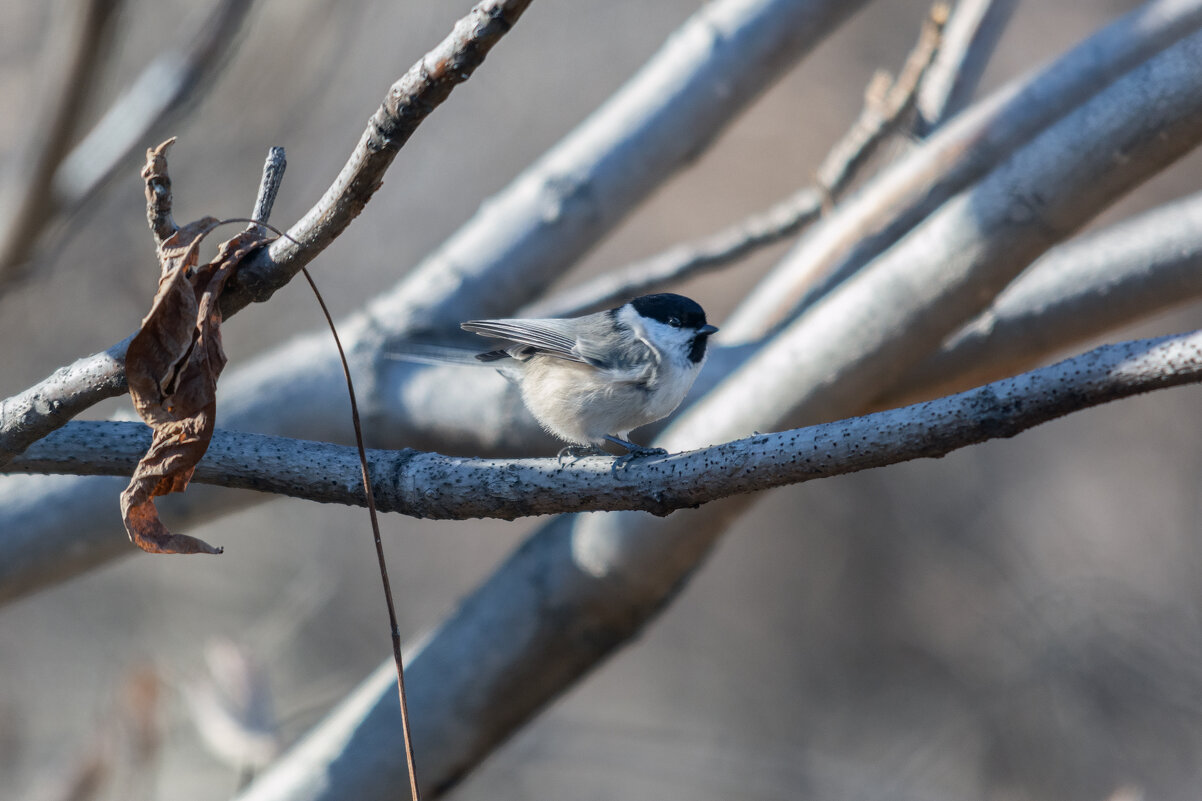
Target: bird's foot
<point>571,454</point>
<point>636,452</point>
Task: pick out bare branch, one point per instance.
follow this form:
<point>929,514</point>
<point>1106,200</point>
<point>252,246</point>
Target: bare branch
<point>780,222</point>
<point>408,103</point>
<point>1080,290</point>
<point>40,409</point>
<point>883,109</point>
<point>886,102</point>
<point>35,201</point>
<point>429,485</point>
<point>269,185</point>
<point>972,34</point>
<point>956,155</point>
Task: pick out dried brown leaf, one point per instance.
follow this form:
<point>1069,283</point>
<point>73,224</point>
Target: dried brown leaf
<point>172,366</point>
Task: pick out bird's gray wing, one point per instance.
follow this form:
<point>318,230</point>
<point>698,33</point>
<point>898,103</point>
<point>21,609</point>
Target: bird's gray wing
<point>551,337</point>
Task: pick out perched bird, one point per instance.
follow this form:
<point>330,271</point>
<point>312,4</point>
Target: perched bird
<point>594,379</point>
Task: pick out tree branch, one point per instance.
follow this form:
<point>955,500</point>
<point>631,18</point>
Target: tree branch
<point>408,103</point>
<point>880,116</point>
<point>26,417</point>
<point>1083,289</point>
<point>959,153</point>
<point>971,36</point>
<point>886,102</point>
<point>428,485</point>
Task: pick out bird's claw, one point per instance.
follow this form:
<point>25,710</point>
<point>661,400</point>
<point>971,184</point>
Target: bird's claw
<point>571,454</point>
<point>637,452</point>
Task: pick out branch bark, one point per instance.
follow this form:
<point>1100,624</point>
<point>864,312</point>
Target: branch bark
<point>429,485</point>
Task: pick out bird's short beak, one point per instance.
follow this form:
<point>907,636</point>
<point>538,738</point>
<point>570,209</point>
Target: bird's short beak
<point>706,330</point>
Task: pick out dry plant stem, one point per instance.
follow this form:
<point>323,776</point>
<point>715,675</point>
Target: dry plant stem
<point>178,75</point>
<point>956,155</point>
<point>886,102</point>
<point>369,498</point>
<point>428,485</point>
<point>971,36</point>
<point>35,205</point>
<point>24,417</point>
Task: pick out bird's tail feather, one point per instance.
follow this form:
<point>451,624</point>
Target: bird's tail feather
<point>435,354</point>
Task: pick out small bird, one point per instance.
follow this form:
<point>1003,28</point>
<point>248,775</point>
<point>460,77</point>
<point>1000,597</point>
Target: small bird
<point>594,379</point>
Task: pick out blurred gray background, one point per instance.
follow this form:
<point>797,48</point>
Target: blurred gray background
<point>1018,620</point>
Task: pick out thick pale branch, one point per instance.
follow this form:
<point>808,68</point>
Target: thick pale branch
<point>1083,289</point>
<point>956,155</point>
<point>429,485</point>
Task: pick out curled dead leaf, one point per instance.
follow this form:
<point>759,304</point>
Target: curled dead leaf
<point>172,366</point>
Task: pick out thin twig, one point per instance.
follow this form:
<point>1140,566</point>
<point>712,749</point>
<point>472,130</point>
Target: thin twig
<point>886,103</point>
<point>429,485</point>
<point>369,497</point>
<point>783,220</point>
<point>269,184</point>
<point>969,39</point>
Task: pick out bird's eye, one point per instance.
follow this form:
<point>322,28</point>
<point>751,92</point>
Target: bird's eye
<point>674,322</point>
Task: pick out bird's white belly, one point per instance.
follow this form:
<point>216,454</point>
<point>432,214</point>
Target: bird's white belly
<point>581,404</point>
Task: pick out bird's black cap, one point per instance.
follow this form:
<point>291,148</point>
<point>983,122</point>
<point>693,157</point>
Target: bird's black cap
<point>666,307</point>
